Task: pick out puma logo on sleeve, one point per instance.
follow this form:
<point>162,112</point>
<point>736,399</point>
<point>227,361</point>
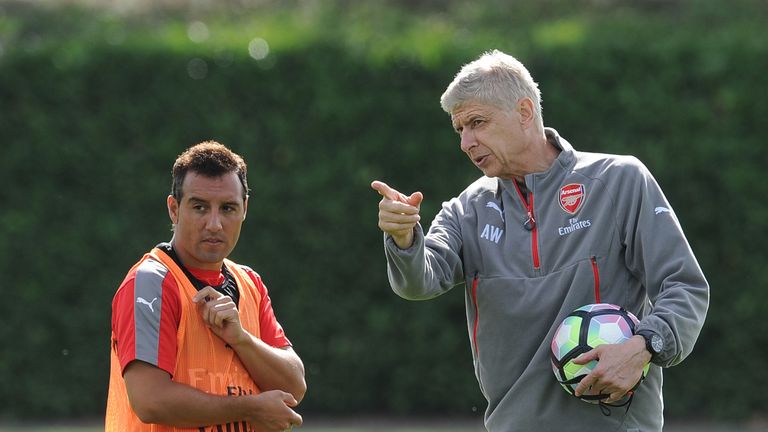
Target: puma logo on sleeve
<point>141,300</point>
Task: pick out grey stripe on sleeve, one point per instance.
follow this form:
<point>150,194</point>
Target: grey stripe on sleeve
<point>148,293</point>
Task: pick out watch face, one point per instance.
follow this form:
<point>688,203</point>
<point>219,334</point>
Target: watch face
<point>656,343</point>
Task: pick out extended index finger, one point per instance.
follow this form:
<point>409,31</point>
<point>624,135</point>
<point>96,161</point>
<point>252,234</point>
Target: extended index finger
<point>386,191</point>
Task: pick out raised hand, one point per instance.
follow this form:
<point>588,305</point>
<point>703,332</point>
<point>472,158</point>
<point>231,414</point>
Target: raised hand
<point>220,313</point>
<point>398,213</point>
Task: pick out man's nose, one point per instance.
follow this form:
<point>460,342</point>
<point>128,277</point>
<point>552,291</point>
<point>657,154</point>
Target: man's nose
<point>214,222</point>
<point>467,140</point>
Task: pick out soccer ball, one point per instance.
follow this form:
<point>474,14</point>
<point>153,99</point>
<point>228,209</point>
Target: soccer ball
<point>582,330</point>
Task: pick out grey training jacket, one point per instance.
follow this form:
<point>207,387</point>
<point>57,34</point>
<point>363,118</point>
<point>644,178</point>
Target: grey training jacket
<point>602,228</point>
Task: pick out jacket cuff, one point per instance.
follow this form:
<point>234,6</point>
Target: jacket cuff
<point>658,326</point>
<point>418,241</point>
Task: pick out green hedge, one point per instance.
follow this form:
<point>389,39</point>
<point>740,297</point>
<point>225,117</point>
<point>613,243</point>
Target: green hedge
<point>91,123</point>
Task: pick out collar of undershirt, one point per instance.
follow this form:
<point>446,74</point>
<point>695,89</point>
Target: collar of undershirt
<point>228,287</point>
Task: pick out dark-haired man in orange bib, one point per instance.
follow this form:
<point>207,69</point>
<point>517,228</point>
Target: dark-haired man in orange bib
<point>195,342</point>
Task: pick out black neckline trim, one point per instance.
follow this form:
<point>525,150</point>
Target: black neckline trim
<point>228,287</point>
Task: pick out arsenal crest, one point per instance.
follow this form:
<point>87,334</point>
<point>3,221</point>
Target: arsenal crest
<point>572,197</point>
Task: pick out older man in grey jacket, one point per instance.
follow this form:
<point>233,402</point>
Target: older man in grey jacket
<point>546,230</point>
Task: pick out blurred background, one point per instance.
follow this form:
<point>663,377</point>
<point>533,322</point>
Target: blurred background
<point>97,98</point>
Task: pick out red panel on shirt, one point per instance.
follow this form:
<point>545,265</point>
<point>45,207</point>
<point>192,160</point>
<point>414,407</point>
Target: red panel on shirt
<point>123,324</point>
<point>271,331</point>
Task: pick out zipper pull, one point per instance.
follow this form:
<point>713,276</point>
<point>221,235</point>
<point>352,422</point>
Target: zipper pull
<point>530,223</point>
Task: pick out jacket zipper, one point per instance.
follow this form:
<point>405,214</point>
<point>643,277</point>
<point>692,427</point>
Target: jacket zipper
<point>596,272</point>
<point>530,225</point>
<point>477,315</point>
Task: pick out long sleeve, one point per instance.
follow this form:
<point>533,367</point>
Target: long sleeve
<point>432,265</point>
<point>659,255</point>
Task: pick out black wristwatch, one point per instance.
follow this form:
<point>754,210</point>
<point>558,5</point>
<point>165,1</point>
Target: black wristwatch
<point>654,343</point>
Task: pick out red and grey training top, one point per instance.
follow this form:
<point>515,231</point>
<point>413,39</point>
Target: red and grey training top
<point>145,335</point>
<point>591,228</point>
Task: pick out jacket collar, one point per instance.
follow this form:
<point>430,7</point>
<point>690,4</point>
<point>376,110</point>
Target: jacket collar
<point>563,162</point>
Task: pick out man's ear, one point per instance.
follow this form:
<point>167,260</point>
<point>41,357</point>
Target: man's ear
<point>245,207</point>
<point>173,209</point>
<point>527,112</point>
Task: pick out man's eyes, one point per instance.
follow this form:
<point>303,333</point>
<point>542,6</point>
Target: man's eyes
<point>472,124</point>
<point>225,209</point>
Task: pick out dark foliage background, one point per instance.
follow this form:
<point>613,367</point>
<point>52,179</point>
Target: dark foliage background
<point>95,106</point>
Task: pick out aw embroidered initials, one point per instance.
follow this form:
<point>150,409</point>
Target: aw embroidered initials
<point>492,233</point>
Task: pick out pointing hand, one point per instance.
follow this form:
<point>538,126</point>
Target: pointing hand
<point>398,213</point>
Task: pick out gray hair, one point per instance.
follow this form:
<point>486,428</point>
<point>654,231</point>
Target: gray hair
<point>496,79</point>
